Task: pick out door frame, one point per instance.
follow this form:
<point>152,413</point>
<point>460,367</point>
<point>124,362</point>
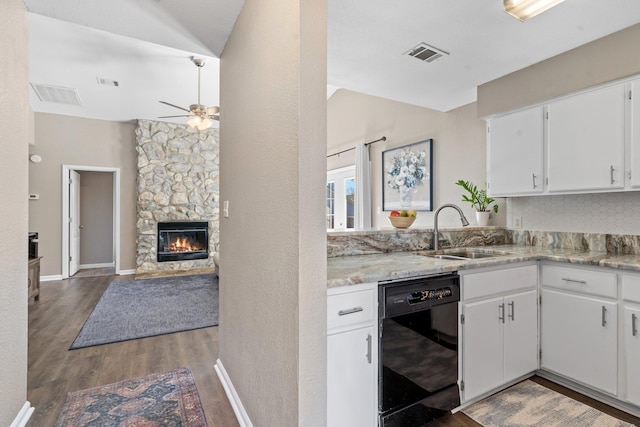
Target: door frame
<point>65,212</point>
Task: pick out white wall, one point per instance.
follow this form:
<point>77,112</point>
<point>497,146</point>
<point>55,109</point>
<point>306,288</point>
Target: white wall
<point>273,244</point>
<point>458,148</point>
<point>14,110</point>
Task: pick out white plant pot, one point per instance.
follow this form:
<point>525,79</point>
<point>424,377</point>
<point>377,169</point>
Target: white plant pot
<point>482,218</point>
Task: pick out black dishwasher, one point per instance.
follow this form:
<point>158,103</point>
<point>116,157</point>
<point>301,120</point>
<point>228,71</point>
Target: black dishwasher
<point>418,345</point>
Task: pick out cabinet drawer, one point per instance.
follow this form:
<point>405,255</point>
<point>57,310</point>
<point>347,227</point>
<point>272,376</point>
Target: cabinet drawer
<point>482,284</point>
<point>350,308</point>
<point>631,288</point>
<point>585,281</point>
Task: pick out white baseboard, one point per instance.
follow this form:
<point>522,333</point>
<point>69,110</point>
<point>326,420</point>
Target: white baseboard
<point>51,278</point>
<point>102,265</point>
<point>23,416</point>
<point>232,395</point>
<point>126,272</point>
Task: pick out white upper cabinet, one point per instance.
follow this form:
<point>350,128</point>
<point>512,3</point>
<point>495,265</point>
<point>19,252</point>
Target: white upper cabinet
<point>515,153</point>
<point>634,131</point>
<point>586,141</point>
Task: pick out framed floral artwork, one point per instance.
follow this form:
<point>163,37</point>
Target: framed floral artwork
<point>407,177</point>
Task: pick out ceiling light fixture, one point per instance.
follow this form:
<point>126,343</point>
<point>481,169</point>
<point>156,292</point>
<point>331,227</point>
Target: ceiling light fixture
<point>200,116</point>
<point>525,9</point>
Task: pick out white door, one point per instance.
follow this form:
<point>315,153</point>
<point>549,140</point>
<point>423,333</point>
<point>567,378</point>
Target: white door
<point>351,379</point>
<point>341,201</point>
<point>632,346</point>
<point>515,144</point>
<point>520,335</point>
<point>586,141</point>
<point>579,338</point>
<point>482,353</point>
<point>74,222</point>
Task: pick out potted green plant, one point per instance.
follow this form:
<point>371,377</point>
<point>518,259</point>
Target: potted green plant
<point>479,200</point>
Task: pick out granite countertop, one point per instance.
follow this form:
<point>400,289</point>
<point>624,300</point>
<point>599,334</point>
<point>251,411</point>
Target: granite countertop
<point>354,269</point>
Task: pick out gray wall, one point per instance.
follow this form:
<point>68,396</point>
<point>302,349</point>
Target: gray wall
<point>458,149</point>
<point>96,218</point>
<point>64,140</point>
<point>14,111</point>
<point>273,244</point>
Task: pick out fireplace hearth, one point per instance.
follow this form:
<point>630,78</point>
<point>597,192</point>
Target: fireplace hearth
<point>187,240</point>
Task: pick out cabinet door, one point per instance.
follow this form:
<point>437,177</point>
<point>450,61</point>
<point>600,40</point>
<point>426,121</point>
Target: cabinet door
<point>579,338</point>
<point>632,347</point>
<point>521,335</point>
<point>634,153</point>
<point>515,153</point>
<point>586,141</point>
<point>482,352</point>
<point>351,379</point>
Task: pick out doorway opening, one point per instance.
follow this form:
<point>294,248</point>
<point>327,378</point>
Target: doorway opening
<point>97,216</point>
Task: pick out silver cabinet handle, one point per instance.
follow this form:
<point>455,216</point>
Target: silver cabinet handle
<point>634,328</point>
<point>533,175</point>
<point>611,171</point>
<point>369,349</point>
<point>513,310</point>
<point>566,279</point>
<point>501,317</point>
<point>350,311</point>
<point>604,314</point>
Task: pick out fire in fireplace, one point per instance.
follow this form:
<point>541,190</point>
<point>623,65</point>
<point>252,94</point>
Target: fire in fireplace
<point>178,241</point>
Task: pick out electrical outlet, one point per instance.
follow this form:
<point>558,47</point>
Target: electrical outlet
<point>517,222</point>
<point>379,211</point>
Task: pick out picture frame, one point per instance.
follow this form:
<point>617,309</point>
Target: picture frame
<point>407,177</point>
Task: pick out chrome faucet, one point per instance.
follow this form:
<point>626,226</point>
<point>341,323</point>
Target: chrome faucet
<point>463,219</point>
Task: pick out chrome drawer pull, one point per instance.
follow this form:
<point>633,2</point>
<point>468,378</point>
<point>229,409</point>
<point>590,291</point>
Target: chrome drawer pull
<point>582,282</point>
<point>501,316</point>
<point>534,180</point>
<point>369,349</point>
<point>604,313</point>
<point>634,328</point>
<point>350,311</point>
<point>513,310</point>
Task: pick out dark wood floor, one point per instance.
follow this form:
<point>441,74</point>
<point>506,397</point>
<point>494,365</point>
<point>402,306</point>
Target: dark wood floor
<point>56,319</point>
<point>53,370</point>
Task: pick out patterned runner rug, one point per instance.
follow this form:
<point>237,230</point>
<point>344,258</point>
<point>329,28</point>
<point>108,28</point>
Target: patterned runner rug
<point>166,399</point>
<point>530,404</point>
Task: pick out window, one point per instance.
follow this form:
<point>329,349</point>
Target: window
<point>341,203</point>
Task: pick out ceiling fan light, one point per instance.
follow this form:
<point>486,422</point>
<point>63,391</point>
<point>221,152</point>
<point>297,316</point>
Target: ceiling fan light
<point>525,9</point>
<point>194,121</point>
<point>205,124</point>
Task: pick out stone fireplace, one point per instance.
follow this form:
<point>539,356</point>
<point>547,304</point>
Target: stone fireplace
<point>177,182</point>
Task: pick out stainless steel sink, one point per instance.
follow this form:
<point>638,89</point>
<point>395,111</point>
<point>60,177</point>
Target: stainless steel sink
<point>465,254</point>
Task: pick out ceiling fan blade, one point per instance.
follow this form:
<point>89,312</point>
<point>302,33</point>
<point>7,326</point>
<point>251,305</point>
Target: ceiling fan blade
<point>175,106</point>
<point>169,117</point>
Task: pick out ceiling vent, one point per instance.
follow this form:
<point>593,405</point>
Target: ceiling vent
<point>426,53</point>
<point>107,82</point>
<point>57,94</point>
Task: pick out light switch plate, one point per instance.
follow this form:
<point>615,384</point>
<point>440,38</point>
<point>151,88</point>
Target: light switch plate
<point>225,209</point>
<point>517,222</point>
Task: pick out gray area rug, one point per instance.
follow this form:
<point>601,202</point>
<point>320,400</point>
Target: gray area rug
<point>530,404</point>
<point>149,307</point>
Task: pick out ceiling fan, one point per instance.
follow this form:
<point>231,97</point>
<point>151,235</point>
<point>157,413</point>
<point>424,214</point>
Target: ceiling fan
<point>200,115</point>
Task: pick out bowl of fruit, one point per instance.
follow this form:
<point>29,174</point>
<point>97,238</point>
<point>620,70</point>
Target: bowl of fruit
<point>403,218</point>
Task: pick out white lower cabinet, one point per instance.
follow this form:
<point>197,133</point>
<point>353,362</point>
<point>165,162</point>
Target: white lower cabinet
<point>352,356</point>
<point>579,338</point>
<point>499,333</point>
<point>632,347</point>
